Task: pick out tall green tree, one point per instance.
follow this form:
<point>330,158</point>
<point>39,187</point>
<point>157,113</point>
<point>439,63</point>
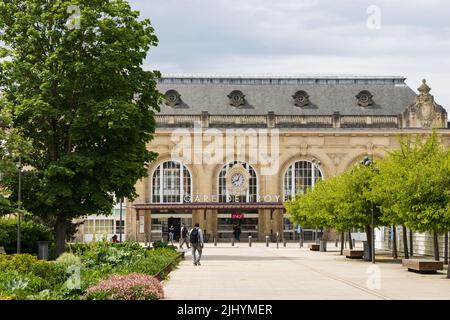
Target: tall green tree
<point>414,186</point>
<point>72,72</point>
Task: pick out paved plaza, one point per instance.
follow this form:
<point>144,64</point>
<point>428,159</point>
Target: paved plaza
<point>258,272</point>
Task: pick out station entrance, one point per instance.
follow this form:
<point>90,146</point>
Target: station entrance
<point>231,223</point>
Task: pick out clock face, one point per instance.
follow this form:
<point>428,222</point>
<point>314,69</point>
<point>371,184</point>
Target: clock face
<point>237,180</point>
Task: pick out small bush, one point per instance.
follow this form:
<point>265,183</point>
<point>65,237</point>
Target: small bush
<point>161,244</point>
<point>26,264</point>
<point>68,259</point>
<point>31,234</point>
<point>129,287</point>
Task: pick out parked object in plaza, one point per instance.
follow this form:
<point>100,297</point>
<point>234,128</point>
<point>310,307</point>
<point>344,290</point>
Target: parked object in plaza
<point>423,266</point>
<point>353,253</point>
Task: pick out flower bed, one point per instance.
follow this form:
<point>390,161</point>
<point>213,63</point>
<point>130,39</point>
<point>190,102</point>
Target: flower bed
<point>85,268</point>
<point>133,286</point>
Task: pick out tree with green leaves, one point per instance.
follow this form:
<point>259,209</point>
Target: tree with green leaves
<point>340,202</point>
<point>414,186</point>
<point>72,74</point>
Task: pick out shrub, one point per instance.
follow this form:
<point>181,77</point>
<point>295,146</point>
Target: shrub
<point>21,285</point>
<point>26,264</point>
<point>31,233</point>
<point>68,259</point>
<point>161,244</point>
<point>129,287</point>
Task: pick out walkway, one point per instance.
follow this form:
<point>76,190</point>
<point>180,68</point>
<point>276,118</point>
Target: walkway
<point>258,272</point>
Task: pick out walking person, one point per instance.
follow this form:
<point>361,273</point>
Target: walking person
<point>184,236</point>
<point>171,233</point>
<point>196,240</point>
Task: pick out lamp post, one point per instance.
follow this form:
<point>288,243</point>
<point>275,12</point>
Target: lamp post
<point>120,220</point>
<point>316,164</point>
<point>19,206</point>
<point>369,162</point>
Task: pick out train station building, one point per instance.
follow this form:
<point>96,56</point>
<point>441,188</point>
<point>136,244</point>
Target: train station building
<point>232,149</point>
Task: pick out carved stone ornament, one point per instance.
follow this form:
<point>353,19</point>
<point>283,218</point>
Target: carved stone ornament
<point>425,112</point>
<point>172,98</point>
<point>301,98</point>
<point>237,180</point>
<point>364,99</point>
<point>237,98</point>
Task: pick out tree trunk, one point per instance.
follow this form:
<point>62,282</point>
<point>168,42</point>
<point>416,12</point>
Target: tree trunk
<point>369,241</point>
<point>411,243</point>
<point>350,239</point>
<point>60,234</point>
<point>394,243</point>
<point>405,242</point>
<point>436,246</point>
<point>446,248</point>
<point>342,242</point>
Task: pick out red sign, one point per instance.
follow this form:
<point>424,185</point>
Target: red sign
<point>237,216</point>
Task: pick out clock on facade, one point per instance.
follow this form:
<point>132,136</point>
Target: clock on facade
<point>237,179</point>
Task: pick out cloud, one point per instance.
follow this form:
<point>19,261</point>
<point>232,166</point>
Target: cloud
<point>308,36</point>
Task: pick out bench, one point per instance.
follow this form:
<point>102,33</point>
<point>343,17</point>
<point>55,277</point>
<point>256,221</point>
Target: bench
<point>423,266</point>
<point>2,250</point>
<point>314,247</point>
<point>353,253</point>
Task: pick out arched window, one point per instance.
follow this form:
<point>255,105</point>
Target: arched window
<point>171,183</point>
<point>251,193</point>
<point>300,176</point>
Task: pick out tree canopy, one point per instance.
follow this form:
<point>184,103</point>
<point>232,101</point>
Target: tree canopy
<point>79,94</point>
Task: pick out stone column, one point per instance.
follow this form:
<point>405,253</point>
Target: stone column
<point>264,224</point>
<point>148,225</point>
<point>130,224</point>
<point>211,222</point>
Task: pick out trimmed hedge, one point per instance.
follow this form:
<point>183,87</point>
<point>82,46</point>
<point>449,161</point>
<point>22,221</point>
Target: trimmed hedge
<point>31,233</point>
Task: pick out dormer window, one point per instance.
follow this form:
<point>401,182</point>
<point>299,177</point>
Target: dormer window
<point>301,98</point>
<point>364,99</point>
<point>237,98</point>
<point>172,98</point>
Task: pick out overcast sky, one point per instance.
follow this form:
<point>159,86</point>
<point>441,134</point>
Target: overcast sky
<point>411,38</point>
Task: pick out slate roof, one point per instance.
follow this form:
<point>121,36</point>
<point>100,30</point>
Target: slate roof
<point>327,94</point>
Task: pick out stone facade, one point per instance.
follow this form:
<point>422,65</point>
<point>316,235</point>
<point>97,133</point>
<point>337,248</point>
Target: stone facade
<point>336,139</point>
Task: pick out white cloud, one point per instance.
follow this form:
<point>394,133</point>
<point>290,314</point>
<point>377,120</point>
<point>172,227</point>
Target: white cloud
<point>308,36</point>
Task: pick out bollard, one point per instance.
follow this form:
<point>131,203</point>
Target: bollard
<point>336,242</point>
<point>267,241</point>
<point>354,243</point>
<point>277,240</point>
<point>215,241</point>
<point>300,242</point>
<point>232,241</point>
<point>249,241</point>
<point>284,242</point>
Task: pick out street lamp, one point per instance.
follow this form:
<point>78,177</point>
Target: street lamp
<point>19,206</point>
<point>316,164</point>
<point>369,162</point>
<point>120,220</point>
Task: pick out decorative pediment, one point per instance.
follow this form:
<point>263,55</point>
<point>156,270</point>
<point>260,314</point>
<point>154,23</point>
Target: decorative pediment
<point>425,112</point>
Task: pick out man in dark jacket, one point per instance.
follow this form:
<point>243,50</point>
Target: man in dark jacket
<point>184,236</point>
